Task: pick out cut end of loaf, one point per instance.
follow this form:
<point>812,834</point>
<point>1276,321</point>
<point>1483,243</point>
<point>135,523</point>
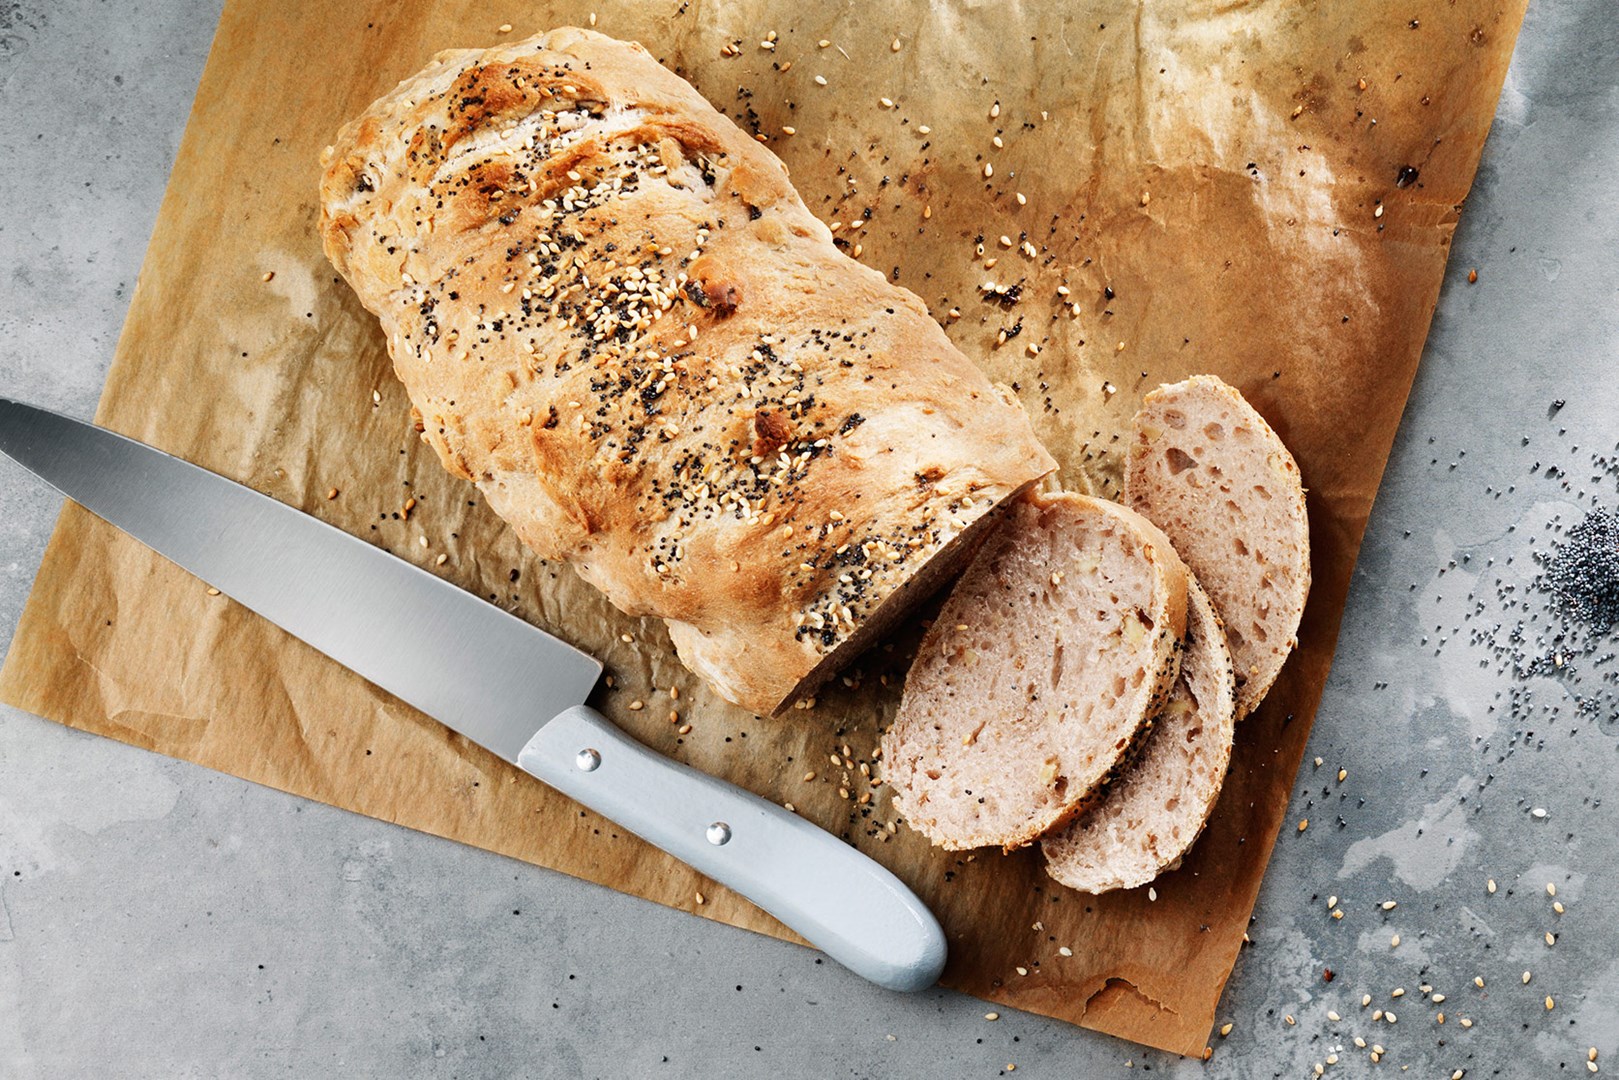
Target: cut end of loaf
<point>1155,811</point>
<point>1207,469</point>
<point>1038,678</point>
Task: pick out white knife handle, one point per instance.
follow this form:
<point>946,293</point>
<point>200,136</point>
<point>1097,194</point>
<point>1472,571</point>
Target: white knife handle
<point>839,900</point>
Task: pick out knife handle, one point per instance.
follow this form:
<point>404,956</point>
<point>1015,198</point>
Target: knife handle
<point>837,899</point>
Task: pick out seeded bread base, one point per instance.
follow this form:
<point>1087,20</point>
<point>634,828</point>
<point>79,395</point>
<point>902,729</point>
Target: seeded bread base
<point>1157,809</point>
<point>1013,725</point>
<point>1210,472</point>
<point>616,317</point>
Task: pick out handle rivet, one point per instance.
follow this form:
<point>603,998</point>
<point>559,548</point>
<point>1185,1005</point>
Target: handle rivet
<point>719,833</point>
<point>587,760</point>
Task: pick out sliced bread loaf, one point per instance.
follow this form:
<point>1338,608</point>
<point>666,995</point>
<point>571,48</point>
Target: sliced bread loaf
<point>1208,470</point>
<point>1154,812</point>
<point>1058,645</point>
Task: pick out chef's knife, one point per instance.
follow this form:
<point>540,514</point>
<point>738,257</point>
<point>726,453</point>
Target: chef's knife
<point>504,684</point>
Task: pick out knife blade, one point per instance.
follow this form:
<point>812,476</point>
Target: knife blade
<point>499,681</point>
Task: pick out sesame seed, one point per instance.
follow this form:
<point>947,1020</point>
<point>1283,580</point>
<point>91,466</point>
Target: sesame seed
<point>1290,1021</point>
<point>1022,200</point>
<point>1526,978</point>
<point>1342,773</point>
<point>1378,212</point>
<point>1389,905</point>
<point>997,143</point>
<point>1394,942</point>
<point>887,103</point>
<point>989,170</point>
<point>1022,970</point>
<point>1332,902</point>
<point>1304,823</point>
<point>1550,1004</point>
<point>995,110</point>
<point>1438,998</point>
<point>820,80</point>
<point>1557,906</point>
<point>1225,1029</point>
<point>269,275</point>
<point>923,129</point>
<point>1065,951</point>
<point>1466,1023</point>
<point>637,705</point>
<point>1551,889</point>
<point>1333,1016</point>
<point>823,43</point>
<point>504,28</point>
<point>896,46</point>
<point>683,729</point>
<point>1365,1000</point>
<point>992,1016</point>
<point>332,494</point>
<point>1551,939</point>
<point>1338,914</point>
<point>1146,197</point>
<point>1490,886</point>
<point>212,591</point>
<point>1152,893</point>
<point>700,899</point>
<point>442,559</point>
<point>789,131</point>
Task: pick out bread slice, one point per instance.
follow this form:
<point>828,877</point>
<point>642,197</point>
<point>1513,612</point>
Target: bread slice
<point>1154,812</point>
<point>1034,685</point>
<point>1208,470</point>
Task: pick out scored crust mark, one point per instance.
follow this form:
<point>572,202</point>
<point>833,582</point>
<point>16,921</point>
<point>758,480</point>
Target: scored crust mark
<point>613,313</point>
<point>1208,470</point>
<point>1159,805</point>
<point>1040,675</point>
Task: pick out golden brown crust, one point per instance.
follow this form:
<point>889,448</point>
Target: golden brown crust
<point>617,318</point>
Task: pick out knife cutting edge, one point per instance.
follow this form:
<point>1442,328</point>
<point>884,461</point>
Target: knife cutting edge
<point>504,684</point>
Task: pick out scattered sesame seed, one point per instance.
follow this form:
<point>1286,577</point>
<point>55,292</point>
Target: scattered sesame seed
<point>683,729</point>
<point>1551,939</point>
<point>1466,1023</point>
<point>1550,1003</point>
<point>1290,1021</point>
<point>1394,942</point>
<point>989,170</point>
<point>1342,773</point>
<point>1065,951</point>
<point>1225,1029</point>
<point>1333,1016</point>
<point>1022,200</point>
<point>442,559</point>
<point>992,1016</point>
<point>1389,905</point>
<point>1472,277</point>
<point>269,275</point>
<point>1022,970</point>
<point>700,899</point>
<point>504,28</point>
<point>820,80</point>
<point>1551,889</point>
<point>637,705</point>
<point>1365,1000</point>
<point>1152,893</point>
<point>212,591</point>
<point>896,46</point>
<point>332,494</point>
<point>1557,906</point>
<point>923,129</point>
<point>995,110</point>
<point>1304,823</point>
<point>1526,978</point>
<point>1490,886</point>
<point>1437,998</point>
<point>823,43</point>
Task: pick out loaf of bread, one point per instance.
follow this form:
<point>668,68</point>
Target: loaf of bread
<point>1156,809</point>
<point>1206,468</point>
<point>1055,650</point>
<point>615,316</point>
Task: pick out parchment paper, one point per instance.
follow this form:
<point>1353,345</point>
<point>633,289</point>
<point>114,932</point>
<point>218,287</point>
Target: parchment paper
<point>1217,166</point>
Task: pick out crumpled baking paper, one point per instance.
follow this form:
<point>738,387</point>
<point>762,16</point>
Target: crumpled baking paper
<point>1266,191</point>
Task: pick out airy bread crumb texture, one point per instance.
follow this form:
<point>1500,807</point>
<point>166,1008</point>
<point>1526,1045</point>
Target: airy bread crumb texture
<point>1039,677</point>
<point>1208,470</point>
<point>1154,813</point>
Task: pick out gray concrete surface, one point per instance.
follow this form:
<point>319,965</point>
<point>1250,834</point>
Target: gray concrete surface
<point>159,920</point>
